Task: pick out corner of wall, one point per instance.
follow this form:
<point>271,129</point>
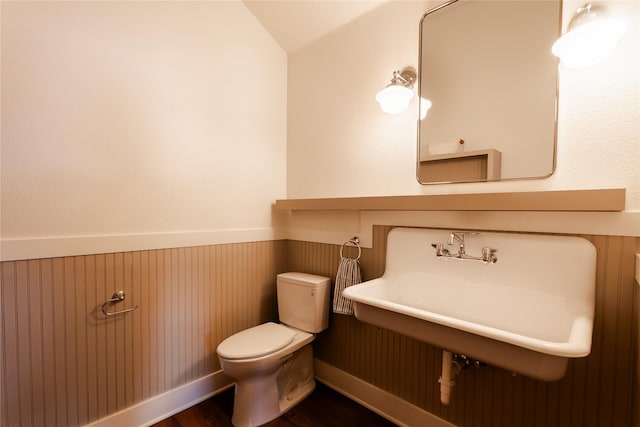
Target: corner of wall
<point>636,315</point>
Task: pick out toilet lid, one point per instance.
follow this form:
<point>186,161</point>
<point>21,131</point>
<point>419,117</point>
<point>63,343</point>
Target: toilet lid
<point>255,342</point>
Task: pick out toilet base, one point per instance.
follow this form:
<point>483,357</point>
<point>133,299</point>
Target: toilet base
<point>260,400</point>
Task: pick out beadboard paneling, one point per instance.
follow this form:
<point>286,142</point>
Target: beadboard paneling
<point>65,364</point>
<point>636,322</point>
<point>597,390</point>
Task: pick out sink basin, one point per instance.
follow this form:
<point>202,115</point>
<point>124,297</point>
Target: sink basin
<point>528,312</point>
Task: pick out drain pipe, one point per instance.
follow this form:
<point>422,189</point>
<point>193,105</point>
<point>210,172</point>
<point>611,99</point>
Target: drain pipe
<point>452,364</point>
<point>446,379</point>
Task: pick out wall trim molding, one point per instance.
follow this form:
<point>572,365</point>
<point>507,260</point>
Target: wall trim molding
<point>50,247</point>
<point>306,225</point>
<point>592,223</point>
<point>180,398</point>
<point>379,401</point>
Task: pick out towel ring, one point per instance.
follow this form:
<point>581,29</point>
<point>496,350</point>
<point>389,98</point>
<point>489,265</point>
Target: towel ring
<point>354,241</point>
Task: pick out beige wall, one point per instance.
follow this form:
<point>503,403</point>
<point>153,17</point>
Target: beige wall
<point>157,124</point>
<point>139,119</point>
<point>129,126</point>
<point>341,144</point>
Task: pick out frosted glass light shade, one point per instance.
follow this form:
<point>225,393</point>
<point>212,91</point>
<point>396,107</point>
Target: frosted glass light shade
<point>589,42</point>
<point>425,105</point>
<point>394,99</point>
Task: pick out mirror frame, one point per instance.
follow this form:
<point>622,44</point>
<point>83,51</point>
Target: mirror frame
<point>419,90</point>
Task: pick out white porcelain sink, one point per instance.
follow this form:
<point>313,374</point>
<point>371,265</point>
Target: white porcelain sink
<point>528,312</point>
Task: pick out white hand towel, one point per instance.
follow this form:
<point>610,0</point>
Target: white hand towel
<point>348,274</point>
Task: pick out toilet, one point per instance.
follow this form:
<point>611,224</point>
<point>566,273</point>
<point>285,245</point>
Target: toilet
<point>272,363</point>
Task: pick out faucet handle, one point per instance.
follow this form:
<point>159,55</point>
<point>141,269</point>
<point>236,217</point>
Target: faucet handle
<point>489,255</point>
<point>440,250</point>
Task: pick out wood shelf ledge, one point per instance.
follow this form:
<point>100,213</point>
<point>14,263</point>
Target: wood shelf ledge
<point>600,200</point>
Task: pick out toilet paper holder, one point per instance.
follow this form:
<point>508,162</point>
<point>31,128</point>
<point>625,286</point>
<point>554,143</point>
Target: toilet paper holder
<point>116,298</point>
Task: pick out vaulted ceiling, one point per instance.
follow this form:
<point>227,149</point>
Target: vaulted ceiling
<point>296,23</point>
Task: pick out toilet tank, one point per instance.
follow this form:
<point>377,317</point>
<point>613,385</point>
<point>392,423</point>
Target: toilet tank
<point>303,301</point>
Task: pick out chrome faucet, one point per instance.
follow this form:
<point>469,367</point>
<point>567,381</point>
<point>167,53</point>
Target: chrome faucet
<point>488,254</point>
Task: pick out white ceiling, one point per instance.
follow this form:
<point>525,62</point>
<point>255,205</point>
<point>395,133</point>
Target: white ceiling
<point>296,23</point>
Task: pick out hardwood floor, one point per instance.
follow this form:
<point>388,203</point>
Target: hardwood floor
<point>323,408</point>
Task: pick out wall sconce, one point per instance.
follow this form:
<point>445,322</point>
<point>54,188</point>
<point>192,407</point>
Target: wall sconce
<point>395,98</point>
<point>590,37</point>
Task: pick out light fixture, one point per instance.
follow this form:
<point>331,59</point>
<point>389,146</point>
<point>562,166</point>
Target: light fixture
<point>590,37</point>
<point>425,105</point>
<point>395,98</point>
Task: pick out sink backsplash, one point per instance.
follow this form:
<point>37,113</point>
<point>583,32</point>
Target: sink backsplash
<point>538,260</point>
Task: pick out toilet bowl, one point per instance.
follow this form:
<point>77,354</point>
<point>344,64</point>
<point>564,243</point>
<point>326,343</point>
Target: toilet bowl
<point>272,363</point>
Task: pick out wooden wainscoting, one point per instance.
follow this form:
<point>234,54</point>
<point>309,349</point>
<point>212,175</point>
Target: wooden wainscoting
<point>65,364</point>
<point>636,321</point>
<point>596,392</point>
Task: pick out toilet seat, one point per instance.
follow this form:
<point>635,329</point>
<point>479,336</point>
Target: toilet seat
<point>255,342</point>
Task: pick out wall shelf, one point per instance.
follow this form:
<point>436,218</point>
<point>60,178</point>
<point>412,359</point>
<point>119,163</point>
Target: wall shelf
<point>601,200</point>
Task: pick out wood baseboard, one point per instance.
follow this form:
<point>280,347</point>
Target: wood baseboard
<point>379,401</point>
<point>167,404</point>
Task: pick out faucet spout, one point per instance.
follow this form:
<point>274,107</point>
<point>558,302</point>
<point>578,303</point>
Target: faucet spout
<point>453,237</point>
<point>458,236</point>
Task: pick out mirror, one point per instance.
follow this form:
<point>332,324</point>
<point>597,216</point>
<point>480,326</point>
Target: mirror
<point>487,70</point>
